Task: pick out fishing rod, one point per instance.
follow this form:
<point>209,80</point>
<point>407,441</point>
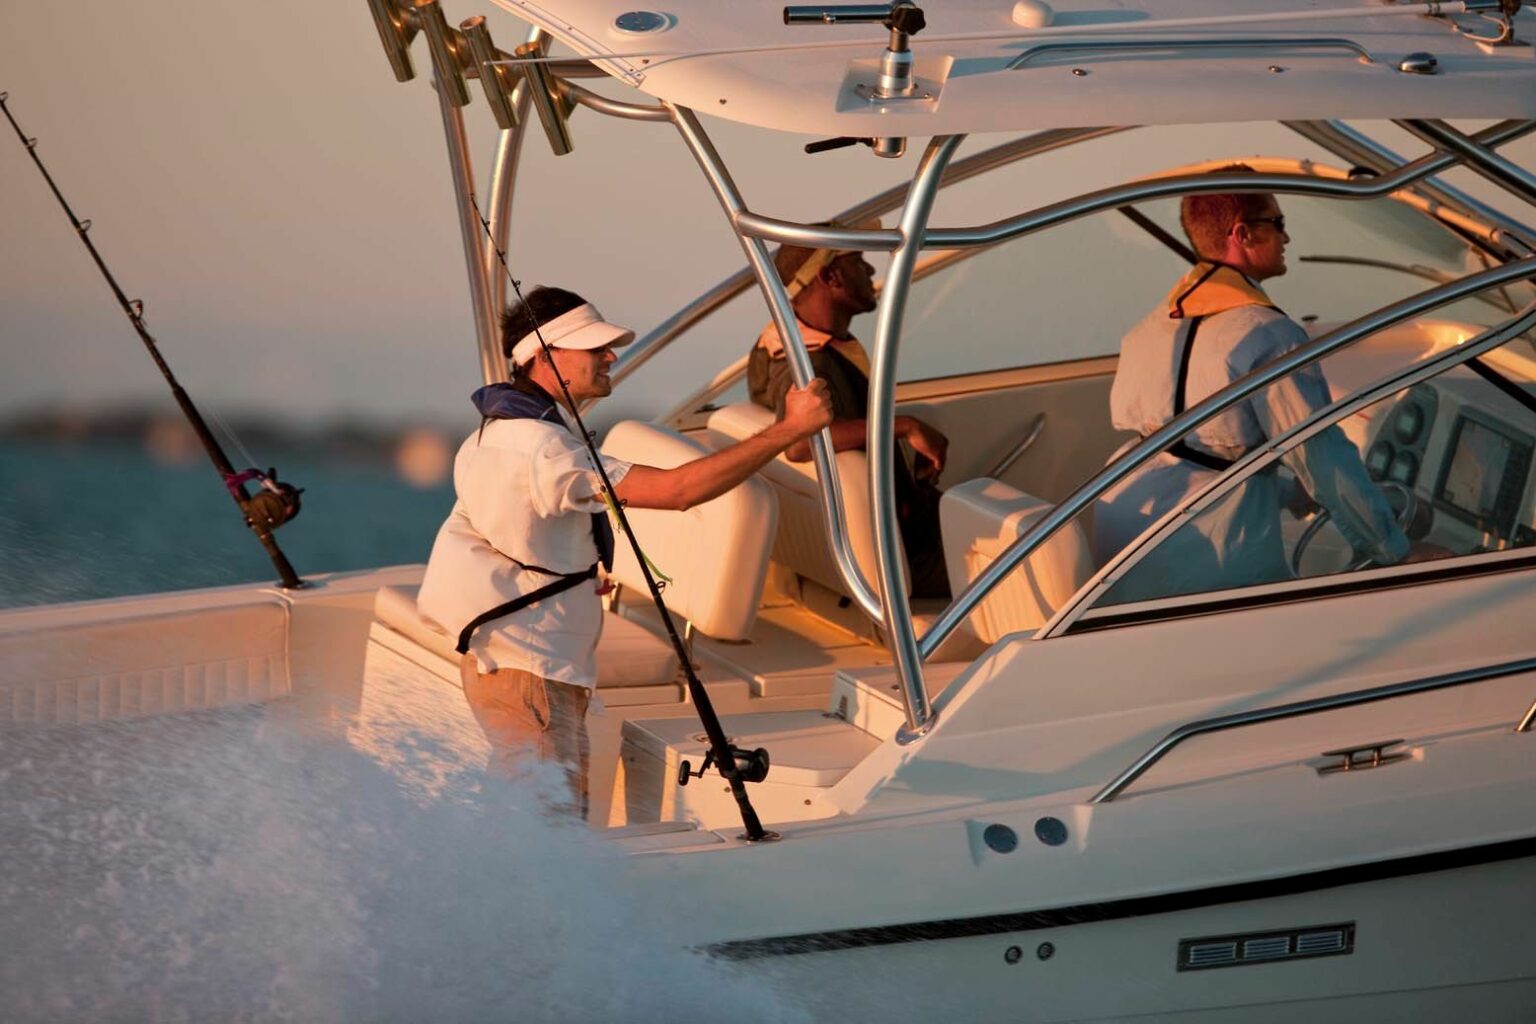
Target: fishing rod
<point>738,766</point>
<point>275,502</point>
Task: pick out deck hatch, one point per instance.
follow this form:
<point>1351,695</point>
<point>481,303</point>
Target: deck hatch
<point>1266,947</point>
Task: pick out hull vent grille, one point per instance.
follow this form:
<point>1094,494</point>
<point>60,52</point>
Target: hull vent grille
<point>1266,947</point>
<point>1213,954</point>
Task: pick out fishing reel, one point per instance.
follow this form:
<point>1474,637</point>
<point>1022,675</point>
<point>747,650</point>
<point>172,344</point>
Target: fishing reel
<point>274,502</point>
<point>751,766</point>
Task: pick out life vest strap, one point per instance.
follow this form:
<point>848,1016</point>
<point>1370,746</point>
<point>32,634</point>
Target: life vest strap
<point>563,583</point>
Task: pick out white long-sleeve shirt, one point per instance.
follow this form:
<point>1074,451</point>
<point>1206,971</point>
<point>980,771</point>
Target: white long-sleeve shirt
<point>526,489</point>
<point>1238,541</point>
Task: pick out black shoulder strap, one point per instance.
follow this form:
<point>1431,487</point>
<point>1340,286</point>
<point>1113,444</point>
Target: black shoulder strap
<point>1184,344</point>
<point>517,604</point>
<point>1184,347</point>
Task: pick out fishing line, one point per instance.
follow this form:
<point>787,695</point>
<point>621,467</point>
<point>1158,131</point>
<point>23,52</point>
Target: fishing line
<point>271,506</point>
<point>738,766</point>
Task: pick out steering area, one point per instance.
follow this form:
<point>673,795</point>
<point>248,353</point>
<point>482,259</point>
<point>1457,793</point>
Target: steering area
<point>1415,516</point>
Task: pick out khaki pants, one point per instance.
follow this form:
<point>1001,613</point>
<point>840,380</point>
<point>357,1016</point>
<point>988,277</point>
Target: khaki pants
<point>528,717</point>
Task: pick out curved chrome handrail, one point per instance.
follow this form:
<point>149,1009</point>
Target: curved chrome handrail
<point>615,108</point>
<point>642,349</point>
<point>1354,698</point>
<point>1257,460</point>
<point>503,189</point>
<point>834,513</point>
<point>965,602</point>
<point>886,240</point>
<point>1507,174</point>
<point>1362,150</point>
<point>1029,53</point>
<point>1530,716</point>
<point>881,435</point>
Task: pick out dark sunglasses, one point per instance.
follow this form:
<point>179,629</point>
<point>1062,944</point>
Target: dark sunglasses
<point>1277,222</point>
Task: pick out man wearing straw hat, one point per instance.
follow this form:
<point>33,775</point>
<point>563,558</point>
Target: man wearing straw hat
<point>828,288</point>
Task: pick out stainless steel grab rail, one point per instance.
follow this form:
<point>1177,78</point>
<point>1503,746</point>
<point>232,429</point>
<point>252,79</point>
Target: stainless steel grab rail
<point>635,355</point>
<point>886,239</point>
<point>1355,698</point>
<point>965,602</point>
<point>1530,716</point>
<point>1257,460</point>
<point>1269,43</point>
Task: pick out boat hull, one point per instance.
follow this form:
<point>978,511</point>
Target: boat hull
<point>1423,946</point>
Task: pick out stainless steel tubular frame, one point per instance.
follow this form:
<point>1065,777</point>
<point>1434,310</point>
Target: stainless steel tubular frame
<point>729,375</point>
<point>615,108</point>
<point>834,513</point>
<point>886,240</point>
<point>1303,707</point>
<point>1358,148</point>
<point>1057,213</point>
<point>881,438</point>
<point>1506,174</point>
<point>492,365</point>
<point>1525,723</point>
<point>1257,460</point>
<point>1267,43</point>
<point>965,602</point>
<point>635,355</point>
<point>503,187</point>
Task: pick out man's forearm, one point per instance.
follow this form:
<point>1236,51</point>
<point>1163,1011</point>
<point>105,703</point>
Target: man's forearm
<point>705,478</point>
<point>847,435</point>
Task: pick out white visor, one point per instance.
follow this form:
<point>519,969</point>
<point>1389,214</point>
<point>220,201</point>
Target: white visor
<point>581,328</point>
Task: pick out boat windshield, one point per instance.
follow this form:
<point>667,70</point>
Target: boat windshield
<point>1075,289</point>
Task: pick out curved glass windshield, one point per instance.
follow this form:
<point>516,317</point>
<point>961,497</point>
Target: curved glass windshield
<point>1072,291</point>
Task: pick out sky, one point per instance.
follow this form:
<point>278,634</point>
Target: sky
<point>283,207</point>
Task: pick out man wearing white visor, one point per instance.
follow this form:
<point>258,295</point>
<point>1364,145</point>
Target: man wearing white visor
<point>517,557</point>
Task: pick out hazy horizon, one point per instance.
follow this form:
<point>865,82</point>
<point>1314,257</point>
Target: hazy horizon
<point>284,208</point>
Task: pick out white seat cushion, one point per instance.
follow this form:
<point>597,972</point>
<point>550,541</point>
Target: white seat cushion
<point>716,553</point>
<point>801,541</point>
<point>627,654</point>
<point>980,518</point>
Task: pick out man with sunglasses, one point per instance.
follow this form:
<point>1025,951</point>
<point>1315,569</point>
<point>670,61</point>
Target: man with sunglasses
<point>1216,326</point>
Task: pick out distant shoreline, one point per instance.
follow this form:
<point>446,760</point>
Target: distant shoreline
<point>166,431</point>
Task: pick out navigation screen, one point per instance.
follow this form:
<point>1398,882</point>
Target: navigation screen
<point>1479,466</point>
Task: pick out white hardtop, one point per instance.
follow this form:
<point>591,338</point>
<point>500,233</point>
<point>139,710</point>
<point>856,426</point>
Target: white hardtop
<point>1284,60</point>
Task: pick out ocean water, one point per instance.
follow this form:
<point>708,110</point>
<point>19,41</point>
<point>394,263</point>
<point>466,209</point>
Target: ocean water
<point>91,519</point>
<point>263,863</point>
<point>249,865</point>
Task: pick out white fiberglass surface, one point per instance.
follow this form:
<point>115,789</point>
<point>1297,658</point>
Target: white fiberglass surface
<point>743,59</point>
<point>253,864</point>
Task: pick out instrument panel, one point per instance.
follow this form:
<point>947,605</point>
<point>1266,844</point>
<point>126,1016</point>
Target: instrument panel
<point>1448,444</point>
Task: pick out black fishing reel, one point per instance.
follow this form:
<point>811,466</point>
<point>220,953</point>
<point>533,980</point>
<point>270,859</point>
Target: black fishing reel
<point>274,502</point>
<point>751,766</point>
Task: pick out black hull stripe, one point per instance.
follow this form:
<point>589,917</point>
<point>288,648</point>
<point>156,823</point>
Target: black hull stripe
<point>1138,906</point>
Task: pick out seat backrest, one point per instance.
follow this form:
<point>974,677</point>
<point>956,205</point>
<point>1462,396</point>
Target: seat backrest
<point>716,553</point>
<point>979,518</point>
<point>801,542</point>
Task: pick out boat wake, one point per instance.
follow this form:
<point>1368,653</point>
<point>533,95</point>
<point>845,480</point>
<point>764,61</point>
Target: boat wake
<point>246,865</point>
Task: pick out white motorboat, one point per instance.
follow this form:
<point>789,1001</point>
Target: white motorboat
<point>1308,798</point>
